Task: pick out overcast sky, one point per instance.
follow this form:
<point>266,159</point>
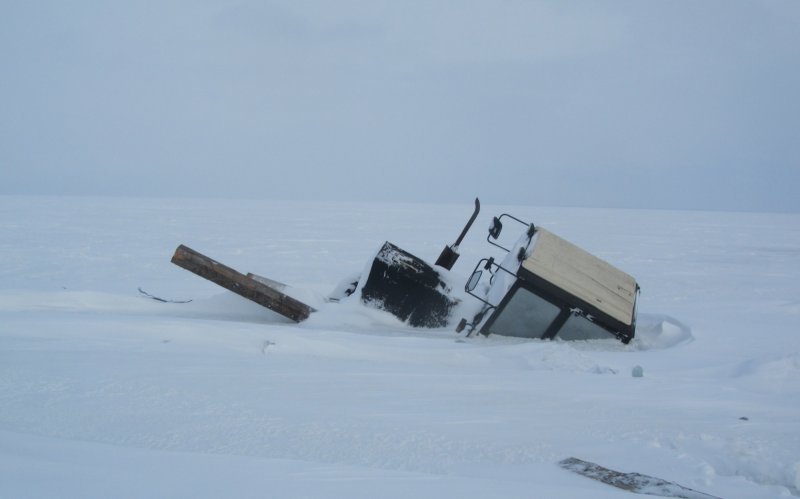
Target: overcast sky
<point>672,104</point>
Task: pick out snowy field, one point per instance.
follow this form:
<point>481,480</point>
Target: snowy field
<point>106,393</point>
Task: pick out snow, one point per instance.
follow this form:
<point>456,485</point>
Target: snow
<point>105,392</point>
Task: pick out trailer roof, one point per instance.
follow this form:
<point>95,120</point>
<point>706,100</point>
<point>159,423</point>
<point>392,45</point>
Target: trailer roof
<point>583,275</point>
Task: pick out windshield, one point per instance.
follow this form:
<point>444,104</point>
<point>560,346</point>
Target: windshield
<point>526,315</point>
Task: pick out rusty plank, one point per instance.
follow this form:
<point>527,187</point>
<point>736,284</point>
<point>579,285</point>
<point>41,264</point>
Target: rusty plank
<point>241,284</point>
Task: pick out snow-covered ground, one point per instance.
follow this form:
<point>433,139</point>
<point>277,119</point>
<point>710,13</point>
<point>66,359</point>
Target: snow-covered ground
<point>106,393</point>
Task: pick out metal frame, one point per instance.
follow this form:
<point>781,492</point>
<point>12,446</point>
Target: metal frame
<point>488,265</point>
<point>531,230</point>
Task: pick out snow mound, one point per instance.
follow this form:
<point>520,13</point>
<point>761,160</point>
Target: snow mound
<point>655,331</point>
<point>773,375</point>
<point>745,457</point>
<point>559,357</point>
<point>774,367</point>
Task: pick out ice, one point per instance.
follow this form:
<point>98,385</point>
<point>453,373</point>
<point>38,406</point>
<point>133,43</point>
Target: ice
<point>105,392</point>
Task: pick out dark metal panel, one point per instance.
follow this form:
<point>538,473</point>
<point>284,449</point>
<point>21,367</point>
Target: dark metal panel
<point>408,288</point>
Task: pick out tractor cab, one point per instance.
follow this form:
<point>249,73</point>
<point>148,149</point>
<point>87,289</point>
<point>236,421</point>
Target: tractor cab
<point>546,287</point>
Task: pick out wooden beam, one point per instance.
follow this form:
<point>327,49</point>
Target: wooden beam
<point>241,284</point>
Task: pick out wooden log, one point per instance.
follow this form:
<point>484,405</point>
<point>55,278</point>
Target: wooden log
<point>241,284</point>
